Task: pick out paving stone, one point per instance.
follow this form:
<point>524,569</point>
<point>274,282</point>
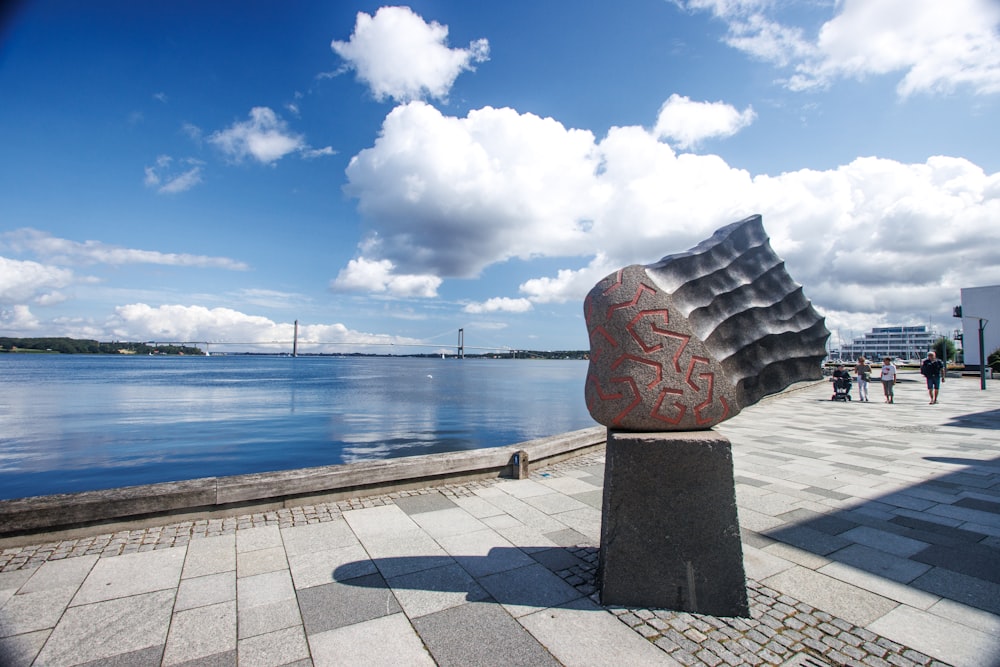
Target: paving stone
<point>201,632</point>
<point>480,634</point>
<point>372,642</point>
<point>429,502</point>
<point>338,604</point>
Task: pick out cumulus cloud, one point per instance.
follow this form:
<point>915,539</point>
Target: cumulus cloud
<point>935,46</point>
<point>447,196</point>
<point>64,251</point>
<point>265,137</point>
<point>450,196</point>
<point>225,326</point>
<point>499,304</point>
<point>18,320</point>
<point>365,275</point>
<point>687,123</point>
<point>23,281</point>
<point>399,55</point>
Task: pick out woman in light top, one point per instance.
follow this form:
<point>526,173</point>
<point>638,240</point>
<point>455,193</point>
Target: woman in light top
<point>888,378</point>
<point>864,372</point>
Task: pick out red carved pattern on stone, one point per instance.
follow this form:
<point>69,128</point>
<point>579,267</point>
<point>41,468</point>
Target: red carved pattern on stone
<point>650,343</point>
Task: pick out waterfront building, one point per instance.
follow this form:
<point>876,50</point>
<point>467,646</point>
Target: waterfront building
<point>980,306</point>
<point>896,342</point>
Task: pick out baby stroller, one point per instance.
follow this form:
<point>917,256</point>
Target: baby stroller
<point>841,387</point>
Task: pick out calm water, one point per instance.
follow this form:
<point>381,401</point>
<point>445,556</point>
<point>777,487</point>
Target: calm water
<point>76,422</point>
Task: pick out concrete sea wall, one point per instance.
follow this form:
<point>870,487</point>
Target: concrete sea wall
<point>26,520</point>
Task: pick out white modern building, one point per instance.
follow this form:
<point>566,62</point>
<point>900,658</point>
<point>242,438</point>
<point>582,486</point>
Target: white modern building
<point>980,306</point>
<point>896,342</point>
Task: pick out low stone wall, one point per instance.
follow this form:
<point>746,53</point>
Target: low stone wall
<point>90,512</point>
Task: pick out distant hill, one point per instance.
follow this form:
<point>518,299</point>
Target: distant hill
<point>78,346</point>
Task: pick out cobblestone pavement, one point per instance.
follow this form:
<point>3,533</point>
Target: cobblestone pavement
<point>812,508</point>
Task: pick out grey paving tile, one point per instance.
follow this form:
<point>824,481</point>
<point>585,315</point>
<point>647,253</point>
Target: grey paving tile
<point>478,507</point>
<point>345,603</point>
<point>879,585</point>
<point>881,563</point>
<point>961,588</point>
<point>425,502</point>
<point>372,523</point>
<point>555,503</point>
<point>20,650</point>
<point>386,641</point>
<point>939,637</point>
<point>269,559</point>
<point>210,555</point>
<point>807,539</point>
<point>523,488</point>
<point>264,589</point>
<point>428,591</point>
<point>227,659</point>
<point>322,567</point>
<point>14,579</point>
<point>480,634</point>
<point>556,559</point>
<point>884,541</point>
<point>261,537</point>
<point>485,552</point>
<point>299,540</point>
<point>132,574</point>
<point>102,630</point>
<point>591,498</point>
<point>445,522</point>
<point>60,573</point>
<point>570,486</point>
<point>207,590</point>
<point>34,611</point>
<point>567,537</point>
<point>849,602</point>
<point>973,560</point>
<point>528,589</point>
<point>268,617</point>
<point>141,658</point>
<point>283,647</point>
<point>824,523</point>
<point>201,632</point>
<point>583,634</point>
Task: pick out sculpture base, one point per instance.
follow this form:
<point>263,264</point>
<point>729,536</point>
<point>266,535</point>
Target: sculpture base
<point>670,537</point>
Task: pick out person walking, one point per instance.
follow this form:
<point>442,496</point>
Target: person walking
<point>863,371</point>
<point>888,378</point>
<point>931,368</point>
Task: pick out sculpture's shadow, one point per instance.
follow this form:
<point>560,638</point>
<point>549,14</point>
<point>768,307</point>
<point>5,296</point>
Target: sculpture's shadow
<point>535,577</point>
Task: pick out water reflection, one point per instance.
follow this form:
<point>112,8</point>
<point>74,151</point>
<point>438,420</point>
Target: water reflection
<point>71,423</point>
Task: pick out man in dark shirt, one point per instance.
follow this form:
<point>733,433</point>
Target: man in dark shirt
<point>931,368</point>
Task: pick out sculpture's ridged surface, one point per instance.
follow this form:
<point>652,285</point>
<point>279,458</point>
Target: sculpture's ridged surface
<point>689,341</point>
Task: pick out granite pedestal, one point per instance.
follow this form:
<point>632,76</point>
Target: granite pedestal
<point>670,537</point>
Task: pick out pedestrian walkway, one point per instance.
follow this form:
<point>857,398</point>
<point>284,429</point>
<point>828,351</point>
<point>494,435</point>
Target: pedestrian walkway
<point>871,536</point>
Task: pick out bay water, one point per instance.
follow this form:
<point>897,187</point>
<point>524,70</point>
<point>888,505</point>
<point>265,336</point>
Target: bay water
<point>84,422</point>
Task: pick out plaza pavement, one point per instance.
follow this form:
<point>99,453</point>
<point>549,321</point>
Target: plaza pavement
<point>871,536</point>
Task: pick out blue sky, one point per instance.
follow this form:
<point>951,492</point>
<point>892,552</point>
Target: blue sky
<point>387,175</point>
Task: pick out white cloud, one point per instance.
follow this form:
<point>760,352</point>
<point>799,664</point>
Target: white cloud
<point>936,46</point>
<point>94,252</point>
<point>449,196</point>
<point>401,56</point>
<point>499,304</point>
<point>365,275</point>
<point>18,321</point>
<point>265,137</point>
<point>222,326</point>
<point>689,122</point>
<point>22,281</point>
<point>311,153</point>
<point>166,179</point>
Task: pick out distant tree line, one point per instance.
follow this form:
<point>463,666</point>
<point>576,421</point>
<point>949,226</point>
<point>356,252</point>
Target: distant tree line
<point>79,346</point>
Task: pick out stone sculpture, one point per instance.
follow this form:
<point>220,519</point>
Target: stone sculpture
<point>689,341</point>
